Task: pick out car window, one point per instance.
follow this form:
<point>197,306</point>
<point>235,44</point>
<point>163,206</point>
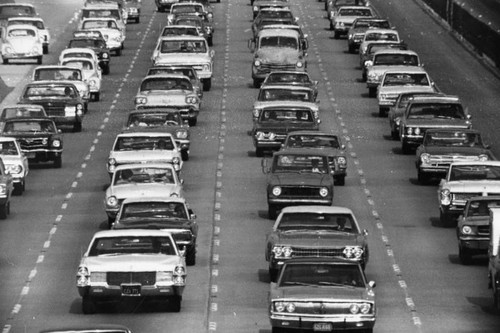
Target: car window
<point>323,221</point>
<point>312,141</point>
<point>121,245</point>
<point>128,143</point>
<point>152,210</point>
<point>437,110</point>
<point>474,172</point>
<point>8,148</point>
<point>144,176</point>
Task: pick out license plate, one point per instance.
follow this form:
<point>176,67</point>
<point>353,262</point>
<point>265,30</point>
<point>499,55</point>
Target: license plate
<point>30,155</point>
<point>322,327</point>
<point>131,290</point>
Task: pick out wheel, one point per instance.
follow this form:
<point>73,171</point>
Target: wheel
<point>464,255</point>
<point>340,181</point>
<point>4,210</point>
<point>77,127</point>
<point>105,70</point>
<point>210,41</point>
<point>96,96</point>
<point>58,162</point>
<point>110,222</point>
<point>5,61</point>
<point>45,49</point>
<point>259,152</point>
<point>382,112</point>
<point>405,147</point>
<point>278,330</point>
<point>372,92</point>
<point>272,212</point>
<point>256,83</point>
<point>447,220</point>
<point>207,84</point>
<point>88,305</point>
<point>185,155</point>
<point>363,76</point>
<point>138,20</point>
<point>273,274</point>
<point>496,300</point>
<point>19,188</point>
<point>423,178</point>
<point>39,60</point>
<point>352,49</point>
<point>118,52</point>
<point>191,256</point>
<point>192,121</point>
<point>175,303</point>
<point>394,134</point>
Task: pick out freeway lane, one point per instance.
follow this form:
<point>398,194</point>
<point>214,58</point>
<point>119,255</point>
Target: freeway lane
<point>226,189</point>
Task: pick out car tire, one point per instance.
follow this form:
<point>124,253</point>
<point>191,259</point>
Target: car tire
<point>257,83</point>
<point>19,188</point>
<point>447,220</point>
<point>423,178</point>
<point>192,121</point>
<point>184,155</point>
<point>272,212</point>
<point>77,127</point>
<point>4,210</point>
<point>464,255</point>
<point>110,222</point>
<point>340,181</point>
<point>363,76</point>
<point>405,147</point>
<point>259,152</point>
<point>5,61</point>
<point>97,96</point>
<point>394,134</point>
<point>118,52</point>
<point>352,49</point>
<point>46,49</point>
<point>138,20</point>
<point>210,41</point>
<point>191,256</point>
<point>382,112</point>
<point>175,303</point>
<point>39,60</point>
<point>89,306</point>
<point>372,92</point>
<point>496,300</point>
<point>278,330</point>
<point>105,70</point>
<point>273,274</point>
<point>207,84</point>
<point>58,162</point>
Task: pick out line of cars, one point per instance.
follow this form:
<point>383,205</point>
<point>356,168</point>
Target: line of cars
<point>316,252</point>
<point>438,128</point>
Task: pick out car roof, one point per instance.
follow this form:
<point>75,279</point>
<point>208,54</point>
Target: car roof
<point>290,105</point>
<point>317,209</point>
<point>395,51</point>
<point>145,132</point>
<point>183,37</point>
<point>51,82</point>
<point>58,66</point>
<point>278,32</point>
<point>165,76</point>
<point>382,31</point>
<point>311,132</point>
<point>406,69</point>
<point>476,163</point>
<point>143,165</point>
<point>301,151</point>
<point>435,99</point>
<point>132,232</point>
<point>155,199</point>
<point>26,18</point>
<point>22,26</point>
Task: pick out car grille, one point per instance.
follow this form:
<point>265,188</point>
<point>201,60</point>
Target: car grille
<point>144,278</point>
<point>268,68</point>
<point>326,308</point>
<point>300,192</point>
<point>483,230</point>
<point>310,252</point>
<point>464,196</point>
<point>32,143</point>
<point>446,160</point>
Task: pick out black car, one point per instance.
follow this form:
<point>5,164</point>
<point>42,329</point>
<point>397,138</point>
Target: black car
<point>95,41</point>
<point>39,138</point>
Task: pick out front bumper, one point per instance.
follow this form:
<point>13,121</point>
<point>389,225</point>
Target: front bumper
<point>66,119</point>
<point>474,244</point>
<point>108,292</point>
<point>413,140</point>
<point>299,201</point>
<point>42,155</point>
<point>309,322</point>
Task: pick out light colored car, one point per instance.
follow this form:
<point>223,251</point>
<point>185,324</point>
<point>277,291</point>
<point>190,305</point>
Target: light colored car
<point>141,180</point>
<point>65,73</point>
<point>91,74</point>
<point>399,80</point>
<point>6,189</point>
<point>383,61</point>
<point>188,71</point>
<point>377,35</point>
<point>105,9</point>
<point>275,95</point>
<point>39,24</point>
<point>133,9</point>
<point>16,163</point>
<point>276,49</point>
<point>144,147</point>
<point>121,264</point>
<point>342,19</point>
<point>20,42</point>
<point>79,52</point>
<point>110,30</point>
<point>186,50</point>
<point>170,90</point>
<point>463,181</point>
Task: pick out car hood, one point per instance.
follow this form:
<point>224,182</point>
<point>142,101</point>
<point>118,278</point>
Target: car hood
<point>142,190</point>
<point>315,239</point>
<point>466,151</point>
<point>131,263</point>
<point>438,123</point>
<point>321,293</point>
<point>138,156</point>
<point>474,186</point>
<point>401,89</point>
<point>183,58</point>
<point>301,179</point>
<point>279,55</point>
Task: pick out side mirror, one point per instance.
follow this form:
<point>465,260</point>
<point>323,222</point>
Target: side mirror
<point>296,19</point>
<point>342,147</point>
<point>212,53</point>
<point>182,181</point>
<point>365,232</point>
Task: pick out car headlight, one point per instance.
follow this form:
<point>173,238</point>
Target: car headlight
<point>341,160</point>
<point>257,63</point>
<point>56,143</point>
<point>418,131</point>
<point>409,131</point>
<point>290,307</point>
<point>364,308</point>
<point>8,49</point>
<point>466,230</point>
<point>105,55</point>
<point>353,252</point>
<point>174,195</point>
<point>276,191</point>
<point>255,8</point>
<point>323,191</point>
<point>206,67</point>
<point>425,158</point>
<point>299,64</point>
<point>445,197</point>
<point>112,201</point>
<point>191,99</point>
<point>279,306</point>
<point>179,270</point>
<point>92,82</point>
<point>483,157</point>
<point>368,63</point>
<point>350,36</point>
<point>282,251</point>
<point>354,308</point>
<point>141,100</point>
<point>181,134</point>
<point>15,168</point>
<point>176,160</point>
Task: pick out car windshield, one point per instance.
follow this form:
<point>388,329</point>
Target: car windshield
<point>374,47</point>
<point>189,72</point>
<point>312,141</point>
<point>403,79</point>
<point>15,112</point>
<point>177,31</point>
<point>350,2</point>
<point>144,175</point>
<point>321,274</point>
<point>83,64</point>
<point>437,110</point>
<point>303,116</point>
<point>300,163</point>
<point>275,14</point>
<point>404,99</point>
<point>92,13</point>
<point>453,139</point>
<point>120,245</point>
<point>8,148</point>
<point>130,143</point>
<point>367,23</point>
<point>190,8</point>
<point>99,24</point>
<point>386,36</point>
<point>183,46</point>
<point>21,33</point>
<point>285,94</point>
<point>37,24</point>
<point>57,74</point>
<point>154,119</point>
<point>474,172</point>
<point>354,12</point>
<point>288,78</point>
<point>317,221</point>
<point>393,59</point>
<point>92,43</point>
<point>153,210</point>
<point>161,83</point>
<point>481,207</point>
<point>16,10</point>
<point>38,92</point>
<point>193,21</point>
<point>29,126</point>
<point>279,41</point>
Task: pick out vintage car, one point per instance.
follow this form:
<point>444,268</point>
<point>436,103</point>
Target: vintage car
<point>15,162</point>
<point>8,10</point>
<point>21,42</point>
<point>64,73</point>
<point>473,227</point>
<point>95,328</point>
<point>277,120</point>
<point>342,19</point>
<point>294,78</point>
<point>272,16</point>
<point>334,5</point>
<point>377,35</point>
<point>91,75</point>
<point>494,256</point>
<point>322,294</point>
<point>60,99</point>
<point>357,31</point>
<point>141,180</point>
<point>37,22</point>
<point>131,264</point>
<point>193,8</point>
<point>426,112</point>
<point>170,214</point>
<point>6,189</point>
<point>463,181</point>
<point>166,119</point>
<point>385,60</point>
<point>200,22</point>
<point>79,52</point>
<point>441,147</point>
<point>297,177</point>
<point>180,30</point>
<point>20,110</point>
<point>165,5</point>
<point>94,41</point>
<point>296,27</point>
<point>315,231</point>
<point>133,9</point>
<point>186,50</point>
<point>398,109</point>
<point>104,9</point>
<point>39,138</point>
<point>188,71</point>
<point>401,79</point>
<point>109,28</point>
<point>329,143</point>
<point>170,90</point>
<point>276,49</point>
<point>371,48</point>
<point>144,147</point>
<point>257,5</point>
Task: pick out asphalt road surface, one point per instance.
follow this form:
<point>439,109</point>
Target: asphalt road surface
<point>421,286</point>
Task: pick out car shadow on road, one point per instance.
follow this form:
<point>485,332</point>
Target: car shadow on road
<point>479,260</point>
<point>263,275</point>
<point>485,303</point>
<point>125,306</point>
<point>436,222</point>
